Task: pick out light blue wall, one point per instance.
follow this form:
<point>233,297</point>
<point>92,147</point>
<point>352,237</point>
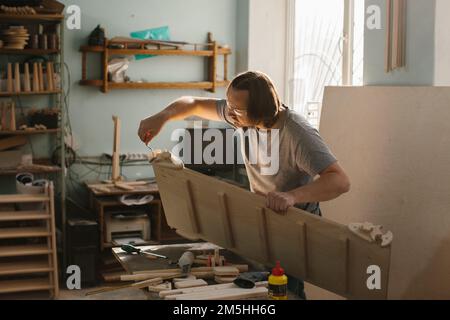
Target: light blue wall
<point>420,47</point>
<point>242,35</point>
<point>91,110</point>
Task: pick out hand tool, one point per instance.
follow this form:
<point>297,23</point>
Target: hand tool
<point>130,249</point>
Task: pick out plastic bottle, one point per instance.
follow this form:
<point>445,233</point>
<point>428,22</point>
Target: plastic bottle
<point>278,283</point>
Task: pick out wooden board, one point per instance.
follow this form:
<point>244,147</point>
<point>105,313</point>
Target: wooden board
<point>315,249</point>
<point>12,142</point>
<point>394,144</point>
<point>190,284</point>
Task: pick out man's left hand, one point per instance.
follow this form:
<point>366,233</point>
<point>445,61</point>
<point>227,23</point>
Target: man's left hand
<point>280,201</point>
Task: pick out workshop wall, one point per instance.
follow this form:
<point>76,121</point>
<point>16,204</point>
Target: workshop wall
<point>419,47</point>
<point>91,110</point>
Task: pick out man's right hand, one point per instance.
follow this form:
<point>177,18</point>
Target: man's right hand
<point>150,127</point>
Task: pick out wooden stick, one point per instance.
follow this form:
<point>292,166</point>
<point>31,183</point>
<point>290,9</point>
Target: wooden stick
<point>17,86</point>
<point>138,285</point>
<point>41,77</point>
<point>240,267</point>
<point>12,110</point>
<point>35,77</point>
<point>140,277</point>
<point>225,294</point>
<point>9,80</point>
<point>26,78</point>
<point>172,294</point>
<point>388,67</point>
<point>50,86</point>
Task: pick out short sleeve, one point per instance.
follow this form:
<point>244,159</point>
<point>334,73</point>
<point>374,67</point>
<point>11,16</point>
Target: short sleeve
<point>312,154</point>
<point>221,106</point>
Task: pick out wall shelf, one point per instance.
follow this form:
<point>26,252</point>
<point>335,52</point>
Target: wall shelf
<point>28,132</point>
<point>36,52</point>
<point>30,93</point>
<point>31,18</point>
<point>210,50</point>
<point>49,168</point>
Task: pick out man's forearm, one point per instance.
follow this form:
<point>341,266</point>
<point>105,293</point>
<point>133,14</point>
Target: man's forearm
<point>326,188</point>
<point>180,109</point>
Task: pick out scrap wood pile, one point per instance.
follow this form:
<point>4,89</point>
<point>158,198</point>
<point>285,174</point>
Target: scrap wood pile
<point>173,284</point>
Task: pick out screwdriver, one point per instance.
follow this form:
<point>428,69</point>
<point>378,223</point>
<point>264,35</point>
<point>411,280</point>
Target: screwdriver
<point>128,248</point>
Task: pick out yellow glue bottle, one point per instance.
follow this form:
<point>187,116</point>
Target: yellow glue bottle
<point>278,283</point>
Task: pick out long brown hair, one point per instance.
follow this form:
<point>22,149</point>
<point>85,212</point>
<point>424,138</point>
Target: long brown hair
<point>264,103</point>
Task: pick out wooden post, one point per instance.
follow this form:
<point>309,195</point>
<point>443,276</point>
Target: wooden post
<point>212,62</point>
<point>105,68</point>
<point>225,67</point>
<point>116,150</point>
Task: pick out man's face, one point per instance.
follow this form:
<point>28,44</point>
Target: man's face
<point>237,101</point>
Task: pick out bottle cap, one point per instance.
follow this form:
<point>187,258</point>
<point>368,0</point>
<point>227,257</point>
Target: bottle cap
<point>278,270</point>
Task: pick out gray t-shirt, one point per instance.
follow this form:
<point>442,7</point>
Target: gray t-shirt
<point>302,155</point>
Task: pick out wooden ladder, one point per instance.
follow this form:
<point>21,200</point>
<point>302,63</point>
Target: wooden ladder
<point>29,267</point>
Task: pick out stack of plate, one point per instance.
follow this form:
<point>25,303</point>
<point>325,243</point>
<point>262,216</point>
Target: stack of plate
<point>15,37</point>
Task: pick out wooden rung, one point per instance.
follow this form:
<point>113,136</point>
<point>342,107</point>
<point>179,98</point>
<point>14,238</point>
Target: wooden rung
<point>23,198</point>
<point>25,250</point>
<point>10,286</point>
<point>23,215</point>
<point>26,267</point>
<point>14,233</point>
<point>226,222</point>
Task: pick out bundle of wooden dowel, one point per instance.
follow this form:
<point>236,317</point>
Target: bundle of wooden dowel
<point>41,78</point>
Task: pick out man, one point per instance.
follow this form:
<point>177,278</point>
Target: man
<point>253,106</point>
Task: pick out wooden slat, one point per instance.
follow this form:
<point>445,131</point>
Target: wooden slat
<point>15,233</point>
<point>24,250</point>
<point>263,234</point>
<point>26,267</point>
<point>191,208</point>
<point>23,215</point>
<point>226,222</point>
<point>23,198</point>
<point>10,286</point>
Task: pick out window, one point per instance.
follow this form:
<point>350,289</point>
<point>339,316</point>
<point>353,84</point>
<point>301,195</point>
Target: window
<point>327,49</point>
